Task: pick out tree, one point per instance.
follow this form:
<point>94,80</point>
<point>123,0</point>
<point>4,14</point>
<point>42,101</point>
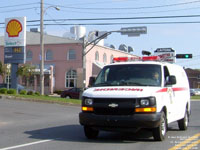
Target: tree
<point>4,70</point>
<point>26,71</point>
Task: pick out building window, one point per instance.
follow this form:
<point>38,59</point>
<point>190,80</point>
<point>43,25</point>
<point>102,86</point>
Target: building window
<point>97,56</point>
<point>71,55</point>
<point>104,58</point>
<point>49,55</point>
<point>29,55</point>
<point>111,58</point>
<point>71,78</point>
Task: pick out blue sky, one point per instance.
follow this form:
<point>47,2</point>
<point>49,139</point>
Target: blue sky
<point>182,37</point>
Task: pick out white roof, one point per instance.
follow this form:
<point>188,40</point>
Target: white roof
<point>33,38</point>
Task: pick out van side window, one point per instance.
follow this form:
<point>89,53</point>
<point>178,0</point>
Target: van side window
<point>166,74</point>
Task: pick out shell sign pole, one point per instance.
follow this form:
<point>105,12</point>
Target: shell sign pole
<point>15,45</point>
<point>15,40</point>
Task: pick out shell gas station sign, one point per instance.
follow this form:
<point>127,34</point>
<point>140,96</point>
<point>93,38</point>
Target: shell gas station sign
<point>15,40</point>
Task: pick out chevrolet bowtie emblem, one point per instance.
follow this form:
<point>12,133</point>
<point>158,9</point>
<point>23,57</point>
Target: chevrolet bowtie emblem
<point>113,105</point>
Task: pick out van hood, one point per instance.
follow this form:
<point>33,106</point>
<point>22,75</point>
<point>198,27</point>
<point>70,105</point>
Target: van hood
<point>121,92</point>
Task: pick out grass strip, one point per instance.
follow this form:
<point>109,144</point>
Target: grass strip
<point>50,99</point>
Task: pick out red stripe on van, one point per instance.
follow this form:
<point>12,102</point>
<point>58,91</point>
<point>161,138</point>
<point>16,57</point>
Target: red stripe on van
<point>174,89</point>
<point>162,90</point>
<point>179,89</point>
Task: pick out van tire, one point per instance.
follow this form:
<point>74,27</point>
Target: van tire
<point>159,133</point>
<point>90,133</point>
<point>183,123</point>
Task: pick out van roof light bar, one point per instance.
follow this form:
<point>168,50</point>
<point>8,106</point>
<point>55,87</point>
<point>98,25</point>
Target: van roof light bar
<point>144,58</point>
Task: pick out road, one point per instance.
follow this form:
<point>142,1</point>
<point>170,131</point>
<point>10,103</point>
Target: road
<point>41,126</point>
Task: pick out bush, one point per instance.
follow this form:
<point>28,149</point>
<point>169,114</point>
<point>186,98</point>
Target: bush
<point>37,93</point>
<point>23,92</point>
<point>12,91</point>
<point>3,90</point>
<point>30,93</point>
<point>58,92</point>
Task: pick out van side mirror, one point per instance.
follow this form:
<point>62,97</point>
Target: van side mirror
<point>171,80</point>
<point>91,81</point>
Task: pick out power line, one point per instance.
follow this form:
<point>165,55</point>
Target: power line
<point>147,7</point>
<point>122,13</point>
<point>129,18</point>
<point>20,9</point>
<point>102,2</point>
<point>119,18</point>
<point>18,5</point>
<point>119,23</point>
<point>122,18</point>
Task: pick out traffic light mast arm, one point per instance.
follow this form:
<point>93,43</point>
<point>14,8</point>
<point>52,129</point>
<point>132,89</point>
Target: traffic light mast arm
<point>96,41</point>
<point>131,31</point>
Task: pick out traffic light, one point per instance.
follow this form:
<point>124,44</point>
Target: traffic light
<point>184,56</point>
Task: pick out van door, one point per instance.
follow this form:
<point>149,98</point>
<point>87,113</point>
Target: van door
<point>180,90</point>
<point>170,98</point>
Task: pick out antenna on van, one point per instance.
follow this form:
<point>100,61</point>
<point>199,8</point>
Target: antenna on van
<point>146,53</point>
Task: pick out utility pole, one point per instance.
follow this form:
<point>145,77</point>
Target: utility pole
<point>41,48</point>
<point>84,64</point>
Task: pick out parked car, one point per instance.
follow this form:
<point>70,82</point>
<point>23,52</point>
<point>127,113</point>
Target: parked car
<point>194,92</point>
<point>73,93</point>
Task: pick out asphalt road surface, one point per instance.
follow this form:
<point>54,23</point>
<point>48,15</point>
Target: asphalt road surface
<point>41,126</point>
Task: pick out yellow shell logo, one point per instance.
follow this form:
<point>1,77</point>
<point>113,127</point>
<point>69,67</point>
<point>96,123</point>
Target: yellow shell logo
<point>13,28</point>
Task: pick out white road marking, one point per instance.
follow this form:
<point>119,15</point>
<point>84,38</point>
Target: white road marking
<point>23,145</point>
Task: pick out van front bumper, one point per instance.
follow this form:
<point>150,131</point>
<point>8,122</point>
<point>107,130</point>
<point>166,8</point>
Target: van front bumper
<point>120,121</point>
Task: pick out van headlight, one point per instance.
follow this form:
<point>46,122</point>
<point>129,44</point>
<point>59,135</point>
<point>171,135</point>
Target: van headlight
<point>144,102</point>
<point>88,101</point>
<point>147,101</point>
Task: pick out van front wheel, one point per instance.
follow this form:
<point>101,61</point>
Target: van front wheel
<point>90,133</point>
<point>159,133</point>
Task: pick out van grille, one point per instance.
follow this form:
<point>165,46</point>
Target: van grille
<point>114,106</point>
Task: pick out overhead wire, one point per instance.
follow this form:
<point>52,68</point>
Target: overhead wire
<point>20,9</point>
<point>119,18</point>
<point>125,13</point>
<point>8,6</point>
<point>102,2</point>
<point>125,8</point>
<point>119,23</point>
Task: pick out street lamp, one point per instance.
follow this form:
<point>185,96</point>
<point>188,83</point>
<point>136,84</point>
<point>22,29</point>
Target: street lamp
<point>130,31</point>
<point>42,45</point>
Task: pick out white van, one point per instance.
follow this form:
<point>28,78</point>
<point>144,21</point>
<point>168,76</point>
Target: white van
<point>127,96</point>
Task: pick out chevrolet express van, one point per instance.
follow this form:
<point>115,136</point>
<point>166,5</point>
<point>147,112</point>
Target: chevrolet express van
<point>128,96</point>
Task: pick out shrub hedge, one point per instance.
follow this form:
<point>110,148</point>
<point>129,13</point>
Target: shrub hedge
<point>3,90</point>
<point>12,91</point>
<point>23,92</point>
<point>30,93</point>
<point>37,93</point>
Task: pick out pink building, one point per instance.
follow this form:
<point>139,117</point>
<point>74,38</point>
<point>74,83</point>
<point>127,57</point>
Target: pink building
<point>63,61</point>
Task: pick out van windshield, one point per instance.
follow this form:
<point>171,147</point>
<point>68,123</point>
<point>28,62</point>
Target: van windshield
<point>130,75</point>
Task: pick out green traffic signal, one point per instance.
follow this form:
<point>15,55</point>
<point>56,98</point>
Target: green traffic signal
<point>183,55</point>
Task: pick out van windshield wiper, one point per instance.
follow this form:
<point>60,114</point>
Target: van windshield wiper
<point>135,83</point>
<point>128,83</point>
<point>103,84</point>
